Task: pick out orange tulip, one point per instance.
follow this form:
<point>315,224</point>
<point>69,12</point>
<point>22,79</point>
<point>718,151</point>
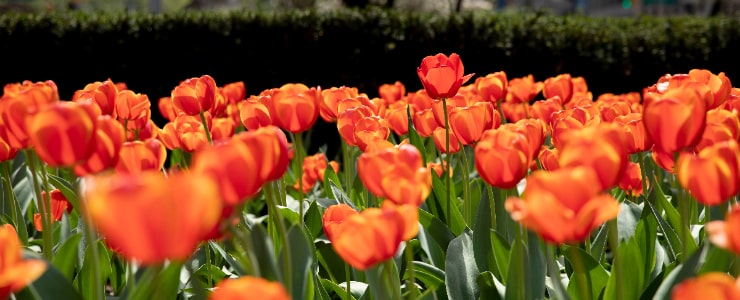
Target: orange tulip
<point>7,152</point>
<point>566,121</point>
<point>139,156</point>
<point>270,146</point>
<point>347,121</point>
<point>733,101</point>
<point>442,76</point>
<point>398,118</point>
<point>719,84</point>
<point>15,272</point>
<point>107,142</point>
<point>514,112</point>
<point>493,87</point>
<point>226,164</point>
<point>523,90</point>
<point>328,107</point>
<point>249,288</point>
<point>102,94</point>
<point>62,134</point>
<point>712,176</point>
<point>631,181</point>
<point>410,215</point>
<point>438,108</point>
<point>191,133</point>
<point>722,125</point>
<point>222,129</point>
<point>437,168</point>
<point>19,103</point>
<point>725,234</point>
<point>424,122</point>
<point>314,167</point>
<point>664,160</point>
<point>534,131</point>
<point>254,114</point>
<point>712,285</point>
<point>295,107</point>
<point>392,92</point>
<point>370,237</point>
<point>564,205</point>
<point>169,137</point>
<point>468,123</point>
<point>133,108</point>
<point>419,100</point>
<point>59,204</point>
<point>633,129</point>
<point>234,92</point>
<point>376,105</point>
<point>580,88</point>
<point>151,218</point>
<point>334,217</point>
<point>501,157</point>
<point>403,179</point>
<point>167,109</point>
<point>561,86</point>
<point>600,148</point>
<point>544,110</point>
<point>195,95</point>
<point>675,119</point>
<point>369,129</point>
<point>440,140</point>
<point>549,158</point>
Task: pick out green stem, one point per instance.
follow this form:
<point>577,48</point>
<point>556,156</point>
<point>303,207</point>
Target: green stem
<point>492,204</point>
<point>617,268</point>
<point>205,127</point>
<point>501,112</point>
<point>43,207</point>
<point>448,158</point>
<point>468,205</point>
<point>411,283</point>
<point>348,276</point>
<point>683,208</point>
<point>9,192</point>
<point>347,168</point>
<point>554,271</point>
<point>92,241</point>
<point>207,249</point>
<point>579,271</point>
<point>130,278</point>
<point>392,283</point>
<point>299,158</point>
<point>277,220</point>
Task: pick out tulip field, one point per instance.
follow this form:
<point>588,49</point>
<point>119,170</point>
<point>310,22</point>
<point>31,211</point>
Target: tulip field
<point>482,187</point>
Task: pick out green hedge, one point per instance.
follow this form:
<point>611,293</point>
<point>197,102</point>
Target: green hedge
<point>152,53</point>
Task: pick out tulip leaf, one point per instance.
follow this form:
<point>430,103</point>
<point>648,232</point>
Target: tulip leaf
<point>20,223</point>
<point>592,273</point>
<point>158,283</point>
<point>438,205</point>
<point>235,266</point>
<point>333,190</point>
<point>432,248</point>
<point>683,271</point>
<point>629,215</point>
<point>85,281</point>
<point>333,266</point>
<point>301,254</point>
<point>313,221</point>
<point>718,260</point>
<point>52,284</point>
<point>65,258</point>
<point>461,262</point>
<point>66,188</point>
<point>265,253</point>
<point>516,286</point>
<point>674,243</point>
<point>490,287</point>
<point>438,230</point>
<point>482,235</point>
<point>208,272</point>
<point>433,279</point>
<point>631,269</point>
<point>598,245</point>
<point>646,235</point>
<point>357,289</point>
<point>414,136</point>
<point>501,254</point>
<point>674,219</point>
<point>536,269</point>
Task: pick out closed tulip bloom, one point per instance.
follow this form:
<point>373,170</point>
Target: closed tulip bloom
<point>269,147</point>
<point>549,158</point>
<point>254,114</point>
<point>234,92</point>
<point>674,120</point>
<point>534,131</point>
<point>438,107</point>
<point>347,121</point>
<point>249,288</point>
<point>392,92</point>
<point>167,109</point>
<point>563,206</point>
<point>404,179</point>
<point>468,123</point>
<point>330,98</point>
<point>664,160</point>
<point>222,129</point>
<point>410,215</point>
<point>437,168</point>
<point>722,125</point>
<point>726,234</point>
<point>59,205</point>
<point>107,142</point>
<point>334,217</point>
<point>712,285</point>
<point>398,117</point>
<point>15,272</point>
<point>600,148</point>
<point>580,88</point>
<point>62,133</point>
<point>493,87</point>
<point>633,129</point>
<point>226,164</point>
<point>566,121</point>
<point>195,95</point>
<point>514,112</point>
<point>131,107</point>
<point>19,103</point>
<point>314,167</point>
<point>191,133</point>
<point>424,122</point>
<point>440,140</point>
<point>523,90</point>
<point>295,107</point>
<point>501,157</point>
<point>102,94</point>
<point>544,110</point>
<point>719,84</point>
<point>370,237</point>
<point>369,129</point>
<point>139,156</point>
<point>156,218</point>
<point>169,137</point>
<point>712,176</point>
<point>560,86</point>
<point>631,181</point>
<point>442,76</point>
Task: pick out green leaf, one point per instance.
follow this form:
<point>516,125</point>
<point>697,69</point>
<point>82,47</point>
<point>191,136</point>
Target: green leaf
<point>536,268</point>
<point>490,287</point>
<point>631,260</point>
<point>51,285</point>
<point>65,258</point>
<point>717,260</point>
<point>593,274</point>
<point>238,268</point>
<point>332,265</point>
<point>516,286</point>
<point>432,249</point>
<point>461,262</point>
<point>265,253</point>
<point>598,246</point>
<point>673,242</point>
<point>629,215</point>
<point>357,289</point>
<point>414,136</point>
<point>432,277</point>
<point>438,230</point>
<point>313,221</point>
<point>157,283</point>
<point>301,258</point>
<point>439,200</point>
<point>482,236</point>
<point>501,253</point>
<point>66,188</point>
<point>85,281</point>
<point>683,271</point>
<point>646,235</point>
<point>674,219</point>
<point>206,271</point>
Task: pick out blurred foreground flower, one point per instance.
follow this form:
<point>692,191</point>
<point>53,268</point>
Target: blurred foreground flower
<point>714,285</point>
<point>249,288</point>
<point>15,273</point>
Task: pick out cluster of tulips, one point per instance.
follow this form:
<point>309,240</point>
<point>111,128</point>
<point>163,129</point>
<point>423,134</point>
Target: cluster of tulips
<point>560,168</point>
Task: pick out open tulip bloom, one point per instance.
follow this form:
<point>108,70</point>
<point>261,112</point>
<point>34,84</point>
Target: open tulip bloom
<point>503,188</point>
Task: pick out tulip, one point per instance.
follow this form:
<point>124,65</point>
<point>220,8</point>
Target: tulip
<point>191,132</point>
<point>59,205</point>
<point>270,145</point>
<point>468,123</point>
<point>633,129</point>
<point>424,122</point>
<point>514,112</point>
<point>725,234</point>
<point>599,148</point>
<point>222,129</point>
<point>674,120</point>
<point>544,110</point>
<point>295,107</point>
<point>410,214</point>
<point>195,95</point>
<point>107,142</point>
<point>139,156</point>
<point>722,125</point>
<point>249,288</point>
<point>493,87</point>
<point>102,94</point>
<point>334,217</point>
<point>15,272</point>
<point>254,114</point>
<point>398,118</point>
<point>234,92</point>
<point>440,140</point>
<point>167,109</point>
<point>442,76</point>
<point>563,206</point>
<point>560,86</point>
<point>370,237</point>
<point>404,179</point>
<point>62,134</point>
<point>369,129</point>
<point>392,92</point>
<point>549,158</point>
<point>7,152</point>
<point>226,164</point>
<point>523,90</point>
<point>631,181</point>
<point>330,98</point>
<point>501,157</point>
<point>19,104</point>
<point>712,176</point>
<point>347,121</point>
<point>313,171</point>
<point>712,285</point>
<point>719,84</point>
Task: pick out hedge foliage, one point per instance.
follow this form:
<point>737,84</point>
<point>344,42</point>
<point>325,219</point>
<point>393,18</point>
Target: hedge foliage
<point>152,53</point>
